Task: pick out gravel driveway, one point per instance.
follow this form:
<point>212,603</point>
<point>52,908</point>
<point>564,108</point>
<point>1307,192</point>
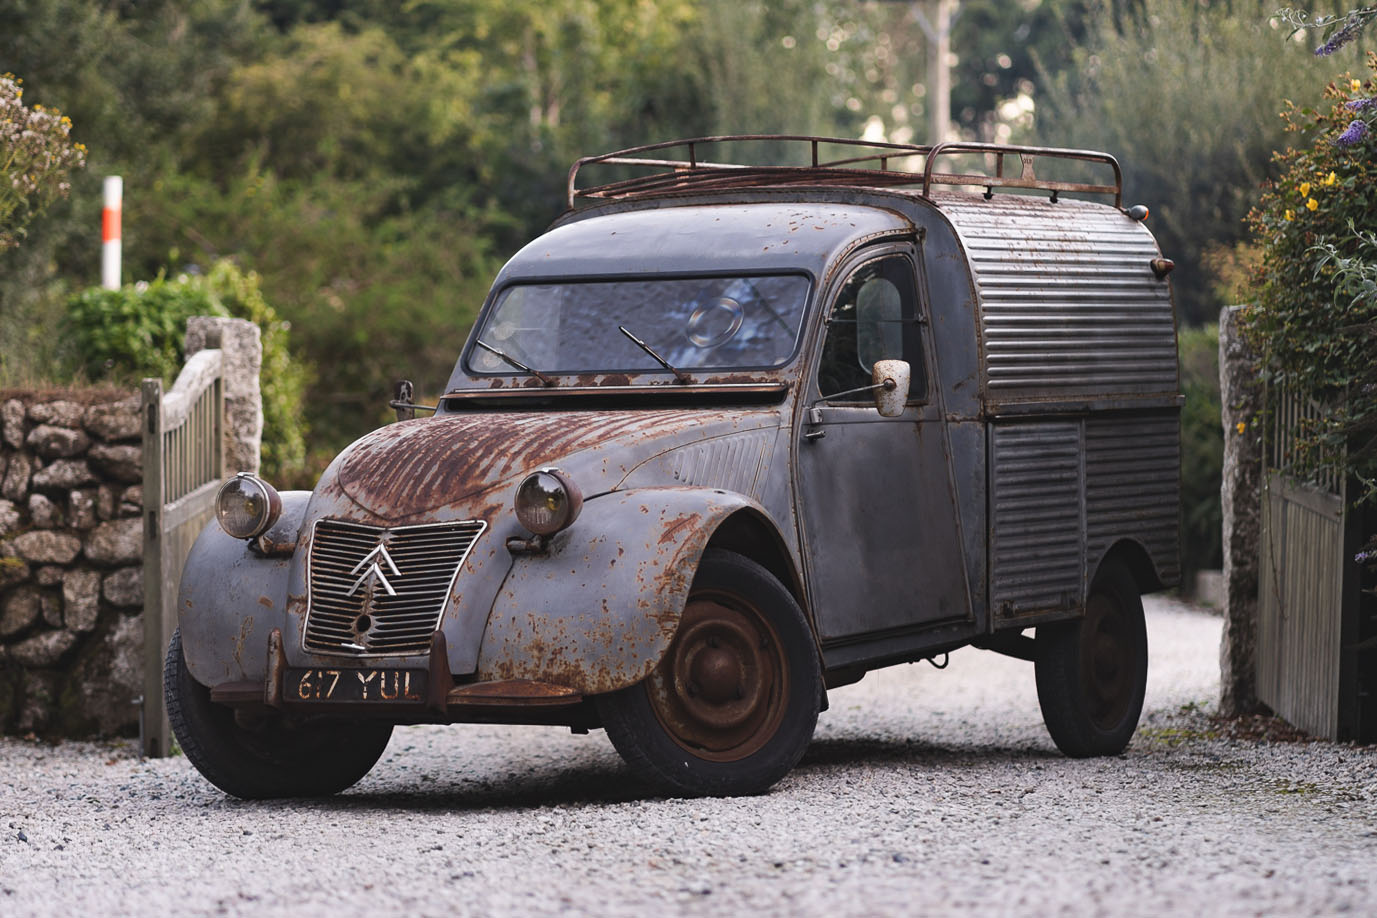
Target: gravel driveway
<point>925,792</point>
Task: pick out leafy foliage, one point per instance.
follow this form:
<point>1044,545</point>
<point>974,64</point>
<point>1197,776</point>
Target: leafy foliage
<point>1202,451</point>
<point>37,156</point>
<point>1315,321</point>
<point>138,330</point>
<point>1186,92</point>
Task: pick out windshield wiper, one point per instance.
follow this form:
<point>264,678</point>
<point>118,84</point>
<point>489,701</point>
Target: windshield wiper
<point>514,362</point>
<point>679,375</point>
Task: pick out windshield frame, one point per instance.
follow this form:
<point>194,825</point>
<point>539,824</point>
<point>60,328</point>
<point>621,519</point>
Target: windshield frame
<point>500,289</point>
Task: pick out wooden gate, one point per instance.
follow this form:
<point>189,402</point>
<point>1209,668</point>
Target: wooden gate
<point>1311,630</point>
<point>183,465</point>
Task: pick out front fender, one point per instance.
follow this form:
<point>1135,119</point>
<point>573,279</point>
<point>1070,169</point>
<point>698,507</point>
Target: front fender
<point>231,598</point>
<point>597,611</point>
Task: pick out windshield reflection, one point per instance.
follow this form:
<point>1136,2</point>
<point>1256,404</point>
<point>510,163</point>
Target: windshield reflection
<point>701,323</point>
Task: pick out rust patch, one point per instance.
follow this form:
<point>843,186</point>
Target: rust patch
<point>415,466</point>
<point>671,533</point>
<point>265,602</point>
<point>510,689</point>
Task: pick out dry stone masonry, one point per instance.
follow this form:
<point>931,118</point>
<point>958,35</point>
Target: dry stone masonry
<point>71,576</point>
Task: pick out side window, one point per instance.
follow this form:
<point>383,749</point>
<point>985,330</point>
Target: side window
<point>875,318</point>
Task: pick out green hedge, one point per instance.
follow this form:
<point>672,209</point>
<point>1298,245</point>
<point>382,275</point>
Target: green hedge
<point>138,330</point>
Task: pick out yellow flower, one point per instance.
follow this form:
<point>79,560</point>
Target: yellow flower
<point>1357,85</point>
<point>1304,189</point>
<point>1312,204</point>
<point>1240,427</point>
<point>1330,179</point>
<point>1289,215</point>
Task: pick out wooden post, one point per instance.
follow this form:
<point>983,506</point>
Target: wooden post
<point>154,729</point>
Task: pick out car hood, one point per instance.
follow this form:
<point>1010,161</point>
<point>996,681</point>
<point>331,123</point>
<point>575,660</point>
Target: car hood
<point>414,471</point>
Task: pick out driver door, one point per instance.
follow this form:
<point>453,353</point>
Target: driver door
<point>879,525</point>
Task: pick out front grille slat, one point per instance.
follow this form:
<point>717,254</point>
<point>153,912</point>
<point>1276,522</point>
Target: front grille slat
<point>427,559</point>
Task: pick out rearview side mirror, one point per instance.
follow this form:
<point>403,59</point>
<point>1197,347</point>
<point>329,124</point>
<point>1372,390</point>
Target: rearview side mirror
<point>891,379</point>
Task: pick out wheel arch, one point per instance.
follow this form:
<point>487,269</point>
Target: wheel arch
<point>1134,556</point>
<point>749,533</point>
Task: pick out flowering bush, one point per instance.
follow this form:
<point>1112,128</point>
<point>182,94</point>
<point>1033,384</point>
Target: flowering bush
<point>1315,319</point>
<point>36,157</point>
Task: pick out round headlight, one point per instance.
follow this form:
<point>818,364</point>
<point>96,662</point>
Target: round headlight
<point>547,501</point>
<point>247,506</point>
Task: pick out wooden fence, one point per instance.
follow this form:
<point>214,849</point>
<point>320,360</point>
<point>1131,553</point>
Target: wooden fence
<point>183,465</point>
<point>1315,625</point>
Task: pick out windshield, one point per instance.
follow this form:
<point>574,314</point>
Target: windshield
<point>701,323</point>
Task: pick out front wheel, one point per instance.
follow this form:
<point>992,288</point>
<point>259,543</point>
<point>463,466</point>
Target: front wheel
<point>731,707</point>
<point>1092,672</point>
<point>268,757</point>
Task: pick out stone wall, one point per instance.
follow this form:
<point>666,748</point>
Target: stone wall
<point>71,576</point>
<point>71,541</point>
<point>1241,492</point>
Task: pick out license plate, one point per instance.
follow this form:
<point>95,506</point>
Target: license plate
<point>382,686</point>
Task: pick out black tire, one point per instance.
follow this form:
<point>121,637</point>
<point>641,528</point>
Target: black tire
<point>732,706</point>
<point>273,758</point>
<point>1092,672</point>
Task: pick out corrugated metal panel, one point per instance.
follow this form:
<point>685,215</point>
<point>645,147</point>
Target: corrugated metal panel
<point>1132,487</point>
<point>1069,305</point>
<point>1037,524</point>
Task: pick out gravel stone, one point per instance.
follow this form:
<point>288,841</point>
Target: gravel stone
<point>924,793</point>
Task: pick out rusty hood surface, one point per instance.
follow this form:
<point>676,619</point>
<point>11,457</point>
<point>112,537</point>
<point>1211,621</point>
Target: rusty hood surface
<point>412,471</point>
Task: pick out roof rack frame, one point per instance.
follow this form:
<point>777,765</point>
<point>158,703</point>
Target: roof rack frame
<point>694,173</point>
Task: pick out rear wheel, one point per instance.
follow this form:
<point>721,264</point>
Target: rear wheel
<point>1092,672</point>
<point>268,756</point>
<point>731,707</point>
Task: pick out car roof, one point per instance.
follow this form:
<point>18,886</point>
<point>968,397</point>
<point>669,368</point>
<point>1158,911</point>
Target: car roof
<point>722,238</point>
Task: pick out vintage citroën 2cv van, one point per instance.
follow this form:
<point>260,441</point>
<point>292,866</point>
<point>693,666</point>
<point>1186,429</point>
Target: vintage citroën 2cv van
<point>723,438</point>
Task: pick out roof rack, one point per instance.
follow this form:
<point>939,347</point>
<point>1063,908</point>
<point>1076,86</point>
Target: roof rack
<point>870,168</point>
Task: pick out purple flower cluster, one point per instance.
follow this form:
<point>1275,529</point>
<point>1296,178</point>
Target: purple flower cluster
<point>1361,105</point>
<point>1340,38</point>
<point>1353,134</point>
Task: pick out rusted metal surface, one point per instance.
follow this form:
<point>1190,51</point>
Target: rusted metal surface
<point>598,611</point>
<point>1047,359</point>
<point>719,689</point>
<point>868,165</point>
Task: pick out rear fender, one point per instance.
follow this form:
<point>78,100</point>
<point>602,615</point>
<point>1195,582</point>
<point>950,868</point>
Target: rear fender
<point>598,609</point>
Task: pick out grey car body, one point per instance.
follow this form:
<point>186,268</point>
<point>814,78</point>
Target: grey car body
<point>1039,442</point>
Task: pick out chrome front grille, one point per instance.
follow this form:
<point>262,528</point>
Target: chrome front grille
<point>382,591</point>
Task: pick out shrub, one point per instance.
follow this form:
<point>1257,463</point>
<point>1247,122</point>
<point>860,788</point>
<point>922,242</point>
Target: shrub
<point>1202,452</point>
<point>37,157</point>
<point>1315,320</point>
<point>139,330</point>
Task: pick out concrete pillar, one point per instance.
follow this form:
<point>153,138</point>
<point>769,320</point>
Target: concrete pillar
<point>242,344</point>
<point>1241,492</point>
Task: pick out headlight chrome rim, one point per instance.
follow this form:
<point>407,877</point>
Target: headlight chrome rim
<point>247,506</point>
<point>547,501</point>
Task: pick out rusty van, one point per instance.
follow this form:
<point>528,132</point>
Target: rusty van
<point>727,436</point>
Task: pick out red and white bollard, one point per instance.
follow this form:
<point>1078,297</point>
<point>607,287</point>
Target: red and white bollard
<point>110,233</point>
